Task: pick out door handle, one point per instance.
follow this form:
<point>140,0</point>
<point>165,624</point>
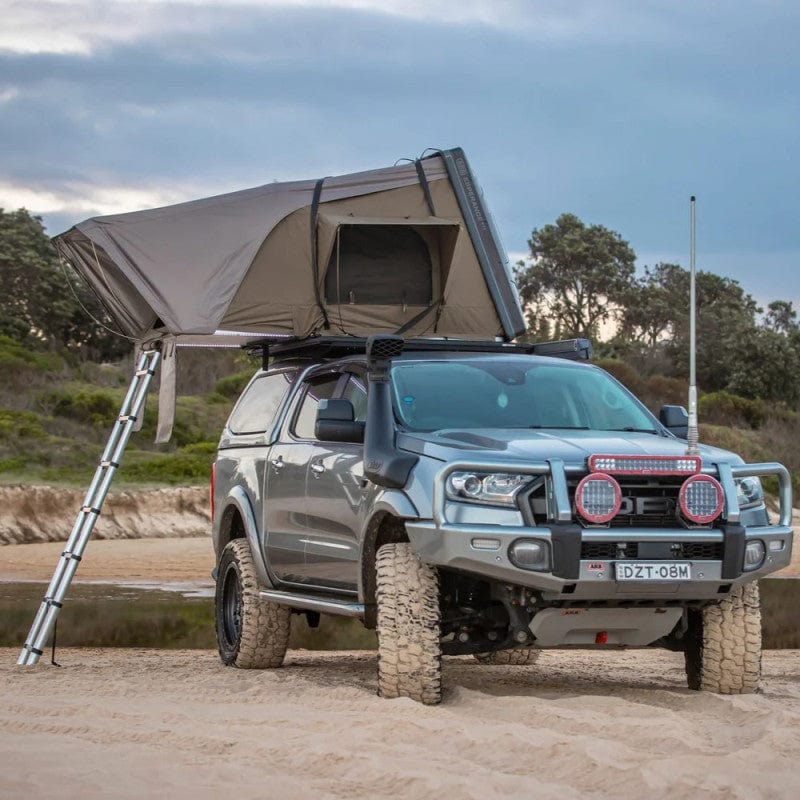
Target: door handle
<point>317,469</point>
<point>277,463</point>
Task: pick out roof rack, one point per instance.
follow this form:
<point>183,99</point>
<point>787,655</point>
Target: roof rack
<point>330,347</point>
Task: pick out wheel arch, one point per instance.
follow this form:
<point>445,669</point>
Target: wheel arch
<point>237,521</point>
<point>384,526</point>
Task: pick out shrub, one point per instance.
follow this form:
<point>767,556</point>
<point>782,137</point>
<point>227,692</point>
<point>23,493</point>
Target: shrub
<point>231,386</point>
<point>20,425</point>
<point>723,408</point>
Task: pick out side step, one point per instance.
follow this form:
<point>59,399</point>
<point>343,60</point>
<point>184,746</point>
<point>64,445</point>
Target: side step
<point>308,602</point>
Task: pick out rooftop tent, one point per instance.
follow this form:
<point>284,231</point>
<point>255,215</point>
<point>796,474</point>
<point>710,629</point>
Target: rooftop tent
<point>408,248</point>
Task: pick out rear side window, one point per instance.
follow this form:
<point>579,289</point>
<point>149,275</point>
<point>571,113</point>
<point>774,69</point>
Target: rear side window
<point>257,407</point>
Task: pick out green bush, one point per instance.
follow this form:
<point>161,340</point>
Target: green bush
<point>20,425</point>
<point>87,405</point>
<point>723,408</point>
<point>15,356</point>
<point>231,386</point>
<point>171,468</point>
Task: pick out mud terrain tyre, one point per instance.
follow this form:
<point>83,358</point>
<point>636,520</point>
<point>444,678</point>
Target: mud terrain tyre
<point>519,656</point>
<point>723,646</point>
<point>409,624</point>
<point>252,633</point>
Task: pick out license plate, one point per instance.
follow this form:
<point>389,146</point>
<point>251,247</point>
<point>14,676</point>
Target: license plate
<point>653,571</point>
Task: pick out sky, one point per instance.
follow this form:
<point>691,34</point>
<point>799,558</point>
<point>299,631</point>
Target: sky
<point>614,111</point>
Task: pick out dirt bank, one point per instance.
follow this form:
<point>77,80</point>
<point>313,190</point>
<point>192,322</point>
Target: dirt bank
<point>141,561</point>
<point>46,514</point>
<point>580,725</point>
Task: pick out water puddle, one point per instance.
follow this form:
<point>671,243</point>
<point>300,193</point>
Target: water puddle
<point>181,615</point>
<point>170,615</point>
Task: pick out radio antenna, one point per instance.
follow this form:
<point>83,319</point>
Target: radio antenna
<point>693,434</point>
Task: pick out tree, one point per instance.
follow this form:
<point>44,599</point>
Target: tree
<point>578,275</point>
<point>37,304</point>
<point>781,317</point>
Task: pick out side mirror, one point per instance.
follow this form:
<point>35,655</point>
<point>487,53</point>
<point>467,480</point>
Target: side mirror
<point>335,422</point>
<point>675,419</point>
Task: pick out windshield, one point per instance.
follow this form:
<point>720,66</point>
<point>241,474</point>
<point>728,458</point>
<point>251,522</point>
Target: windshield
<point>513,392</point>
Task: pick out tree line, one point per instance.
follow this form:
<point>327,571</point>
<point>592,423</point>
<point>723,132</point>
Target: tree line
<point>579,280</point>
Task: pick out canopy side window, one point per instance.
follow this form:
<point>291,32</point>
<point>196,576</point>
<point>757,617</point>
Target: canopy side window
<point>379,265</point>
<point>260,403</point>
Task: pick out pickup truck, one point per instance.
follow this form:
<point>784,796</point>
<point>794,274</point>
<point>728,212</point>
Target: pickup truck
<point>487,499</point>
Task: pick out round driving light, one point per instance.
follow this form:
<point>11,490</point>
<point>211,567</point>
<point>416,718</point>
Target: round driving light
<point>700,499</point>
<point>754,554</point>
<point>598,498</point>
<point>529,554</point>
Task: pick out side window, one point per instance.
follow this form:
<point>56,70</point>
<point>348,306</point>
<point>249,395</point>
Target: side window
<point>321,389</point>
<point>258,405</point>
<point>357,395</point>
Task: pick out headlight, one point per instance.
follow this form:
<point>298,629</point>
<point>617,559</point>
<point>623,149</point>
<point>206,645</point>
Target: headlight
<point>749,492</point>
<point>491,489</point>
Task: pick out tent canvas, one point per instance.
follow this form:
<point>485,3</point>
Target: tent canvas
<point>407,248</point>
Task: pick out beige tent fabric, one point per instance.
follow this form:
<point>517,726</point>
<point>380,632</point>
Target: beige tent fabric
<point>242,261</point>
<point>467,307</point>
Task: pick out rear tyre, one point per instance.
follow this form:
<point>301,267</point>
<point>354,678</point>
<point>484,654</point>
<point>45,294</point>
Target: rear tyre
<point>723,644</point>
<point>409,625</point>
<point>519,656</point>
<point>252,633</point>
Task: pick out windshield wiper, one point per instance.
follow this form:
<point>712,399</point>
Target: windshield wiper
<point>561,427</point>
<point>630,429</point>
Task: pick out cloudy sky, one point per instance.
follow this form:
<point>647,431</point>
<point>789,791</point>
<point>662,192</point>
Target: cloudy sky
<point>616,111</point>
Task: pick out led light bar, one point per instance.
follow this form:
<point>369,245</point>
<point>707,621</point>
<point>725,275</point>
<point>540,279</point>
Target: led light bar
<point>645,465</point>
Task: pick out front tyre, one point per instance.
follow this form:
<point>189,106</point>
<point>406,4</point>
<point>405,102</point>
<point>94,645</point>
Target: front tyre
<point>409,626</point>
<point>252,633</point>
<point>723,644</point>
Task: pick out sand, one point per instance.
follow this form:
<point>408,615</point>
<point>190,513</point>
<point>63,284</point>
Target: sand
<point>121,723</point>
<point>116,723</point>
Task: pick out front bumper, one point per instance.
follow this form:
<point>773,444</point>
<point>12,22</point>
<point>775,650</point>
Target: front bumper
<point>482,550</point>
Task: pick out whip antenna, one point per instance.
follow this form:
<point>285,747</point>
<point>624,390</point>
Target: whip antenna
<point>693,434</point>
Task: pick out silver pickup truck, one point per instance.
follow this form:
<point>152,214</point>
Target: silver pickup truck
<point>482,498</point>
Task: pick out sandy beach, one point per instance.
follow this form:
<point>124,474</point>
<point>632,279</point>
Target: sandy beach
<point>125,723</point>
<point>147,723</point>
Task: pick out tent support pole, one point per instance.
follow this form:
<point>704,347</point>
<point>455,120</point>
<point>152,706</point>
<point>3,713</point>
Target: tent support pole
<point>132,407</point>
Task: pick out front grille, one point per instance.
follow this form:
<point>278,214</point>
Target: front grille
<point>695,551</point>
<point>647,502</point>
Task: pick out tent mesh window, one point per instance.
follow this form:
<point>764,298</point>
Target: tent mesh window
<point>379,265</point>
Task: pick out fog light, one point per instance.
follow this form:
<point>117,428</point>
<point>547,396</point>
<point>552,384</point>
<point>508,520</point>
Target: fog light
<point>531,554</point>
<point>754,555</point>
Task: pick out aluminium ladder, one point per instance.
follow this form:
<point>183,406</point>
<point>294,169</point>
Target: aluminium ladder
<point>132,407</point>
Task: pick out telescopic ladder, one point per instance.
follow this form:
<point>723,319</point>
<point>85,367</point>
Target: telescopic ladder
<point>132,407</point>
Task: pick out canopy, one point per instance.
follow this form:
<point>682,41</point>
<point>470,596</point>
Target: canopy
<point>409,248</point>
